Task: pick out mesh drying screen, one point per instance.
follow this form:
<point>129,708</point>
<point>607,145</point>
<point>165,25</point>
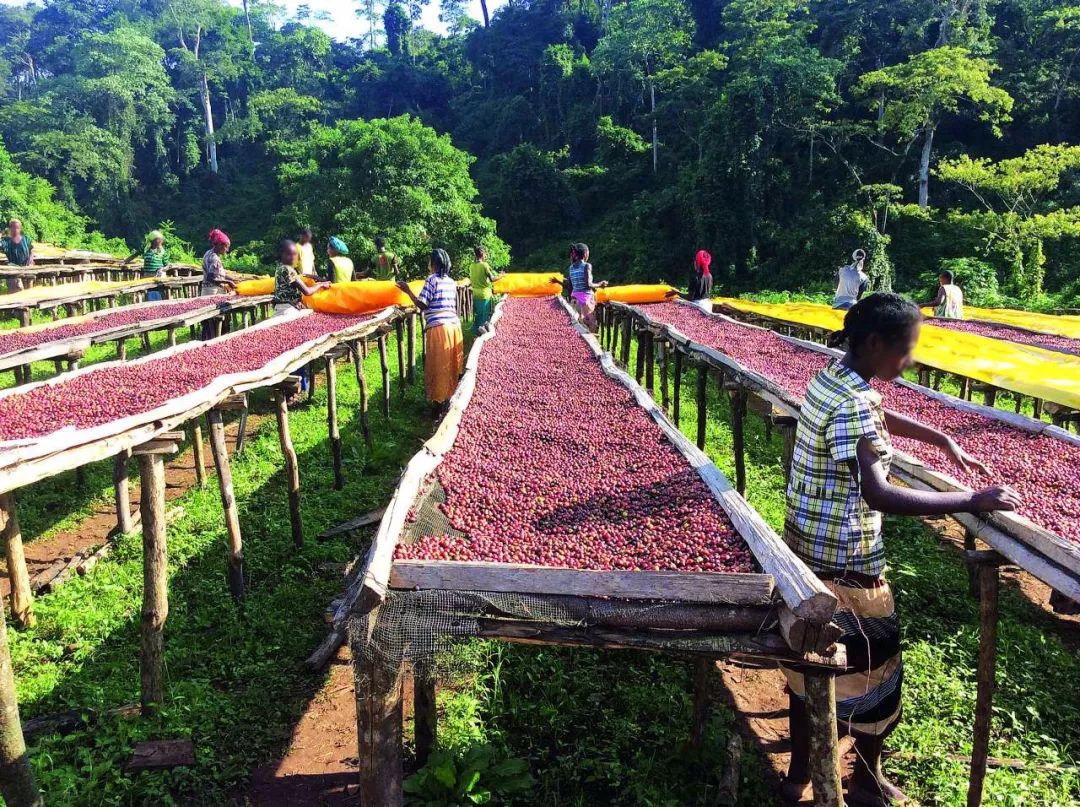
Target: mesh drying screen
<point>427,517</point>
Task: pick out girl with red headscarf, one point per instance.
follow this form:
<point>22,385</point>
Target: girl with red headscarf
<point>700,291</point>
<point>214,280</point>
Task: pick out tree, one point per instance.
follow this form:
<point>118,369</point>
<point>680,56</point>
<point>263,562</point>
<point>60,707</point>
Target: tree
<point>397,24</point>
<point>929,85</point>
<point>642,39</point>
<point>1017,213</point>
<point>395,177</point>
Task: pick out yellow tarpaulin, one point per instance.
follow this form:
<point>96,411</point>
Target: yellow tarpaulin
<point>1044,323</point>
<point>1025,369</point>
<point>636,294</point>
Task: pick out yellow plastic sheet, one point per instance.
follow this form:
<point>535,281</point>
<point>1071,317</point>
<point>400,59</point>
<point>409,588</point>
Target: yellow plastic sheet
<point>36,293</point>
<point>635,294</point>
<point>1024,369</point>
<point>1044,323</point>
<point>529,284</point>
<point>263,285</point>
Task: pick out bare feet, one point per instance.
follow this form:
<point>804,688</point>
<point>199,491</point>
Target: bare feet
<point>879,792</point>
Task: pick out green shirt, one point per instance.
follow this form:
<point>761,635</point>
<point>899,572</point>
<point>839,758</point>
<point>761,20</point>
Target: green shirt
<point>285,291</point>
<point>154,261</point>
<point>385,262</point>
<point>480,275</point>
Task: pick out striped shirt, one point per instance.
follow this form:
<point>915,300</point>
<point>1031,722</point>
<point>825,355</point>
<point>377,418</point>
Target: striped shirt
<point>579,276</point>
<point>829,524</point>
<point>17,254</point>
<point>440,296</point>
<point>213,269</point>
<point>154,261</point>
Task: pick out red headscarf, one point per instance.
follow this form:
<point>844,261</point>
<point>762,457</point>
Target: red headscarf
<point>703,260</point>
<point>218,239</point>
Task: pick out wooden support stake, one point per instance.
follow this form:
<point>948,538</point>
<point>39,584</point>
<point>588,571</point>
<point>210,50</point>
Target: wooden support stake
<point>385,376</point>
<point>220,451</point>
<point>22,611</point>
<point>241,427</point>
<point>123,498</point>
<point>676,407</point>
<point>358,352</point>
<point>650,360</point>
<point>121,349</point>
<point>411,376</point>
<point>639,362</point>
<point>702,412</point>
<point>703,672</point>
<point>824,751</point>
<point>986,683</point>
<point>627,326</point>
<point>662,356</point>
<point>17,784</point>
<point>198,453</point>
<point>613,335</point>
<point>378,723</point>
<point>425,717</point>
<point>292,467</point>
<point>332,421</point>
<point>171,336</point>
<point>155,607</point>
<point>399,333</point>
<point>788,430</point>
<point>738,421</point>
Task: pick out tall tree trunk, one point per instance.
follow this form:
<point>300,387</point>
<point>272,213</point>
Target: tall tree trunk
<point>655,148</point>
<point>484,11</point>
<point>247,20</point>
<point>208,119</point>
<point>924,167</point>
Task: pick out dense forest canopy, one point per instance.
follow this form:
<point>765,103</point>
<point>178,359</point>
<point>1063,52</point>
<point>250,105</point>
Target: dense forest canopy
<point>778,134</point>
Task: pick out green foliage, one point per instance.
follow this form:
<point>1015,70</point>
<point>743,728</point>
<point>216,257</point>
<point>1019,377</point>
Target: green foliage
<point>477,776</point>
<point>394,177</point>
<point>977,278</point>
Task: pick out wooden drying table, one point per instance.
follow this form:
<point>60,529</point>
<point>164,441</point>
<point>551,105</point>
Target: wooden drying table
<point>72,303</point>
<point>72,350</point>
<point>928,376</point>
<point>1043,554</point>
<point>701,616</point>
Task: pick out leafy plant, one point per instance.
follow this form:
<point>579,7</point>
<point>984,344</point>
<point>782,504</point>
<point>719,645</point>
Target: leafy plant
<point>476,776</point>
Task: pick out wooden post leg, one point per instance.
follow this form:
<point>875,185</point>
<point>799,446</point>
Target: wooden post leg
<point>411,376</point>
<point>155,607</point>
<point>613,335</point>
<point>146,341</point>
<point>824,751</point>
<point>361,382</point>
<point>702,412</point>
<point>650,361</point>
<point>703,671</point>
<point>292,467</point>
<point>378,723</point>
<point>198,453</point>
<point>787,434</point>
<point>986,679</point>
<point>171,337</point>
<point>17,784</point>
<point>332,422</point>
<point>626,342</point>
<point>677,392</point>
<point>990,396</point>
<point>22,611</point>
<point>219,448</point>
<point>120,487</point>
<point>385,376</point>
<point>639,359</point>
<point>738,422</point>
<point>662,357</point>
<point>121,349</point>
<point>399,333</point>
<point>425,717</point>
<point>241,426</point>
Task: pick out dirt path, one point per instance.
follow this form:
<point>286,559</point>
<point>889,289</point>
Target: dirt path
<point>97,528</point>
<point>320,765</point>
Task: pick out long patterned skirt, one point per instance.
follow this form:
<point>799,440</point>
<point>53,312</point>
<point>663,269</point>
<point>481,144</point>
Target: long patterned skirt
<point>444,361</point>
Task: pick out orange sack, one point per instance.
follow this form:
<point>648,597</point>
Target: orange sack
<point>634,294</point>
<point>529,284</point>
<point>361,297</point>
<point>263,285</point>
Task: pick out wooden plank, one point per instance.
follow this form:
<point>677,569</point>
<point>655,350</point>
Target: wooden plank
<point>353,524</point>
<point>700,587</point>
<point>157,755</point>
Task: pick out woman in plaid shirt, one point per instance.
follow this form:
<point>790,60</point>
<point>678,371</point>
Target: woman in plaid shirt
<point>838,490</point>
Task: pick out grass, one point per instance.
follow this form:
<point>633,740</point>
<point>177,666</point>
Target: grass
<point>595,727</point>
<point>235,680</point>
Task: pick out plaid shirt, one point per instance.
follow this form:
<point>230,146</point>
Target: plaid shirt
<point>829,525</point>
